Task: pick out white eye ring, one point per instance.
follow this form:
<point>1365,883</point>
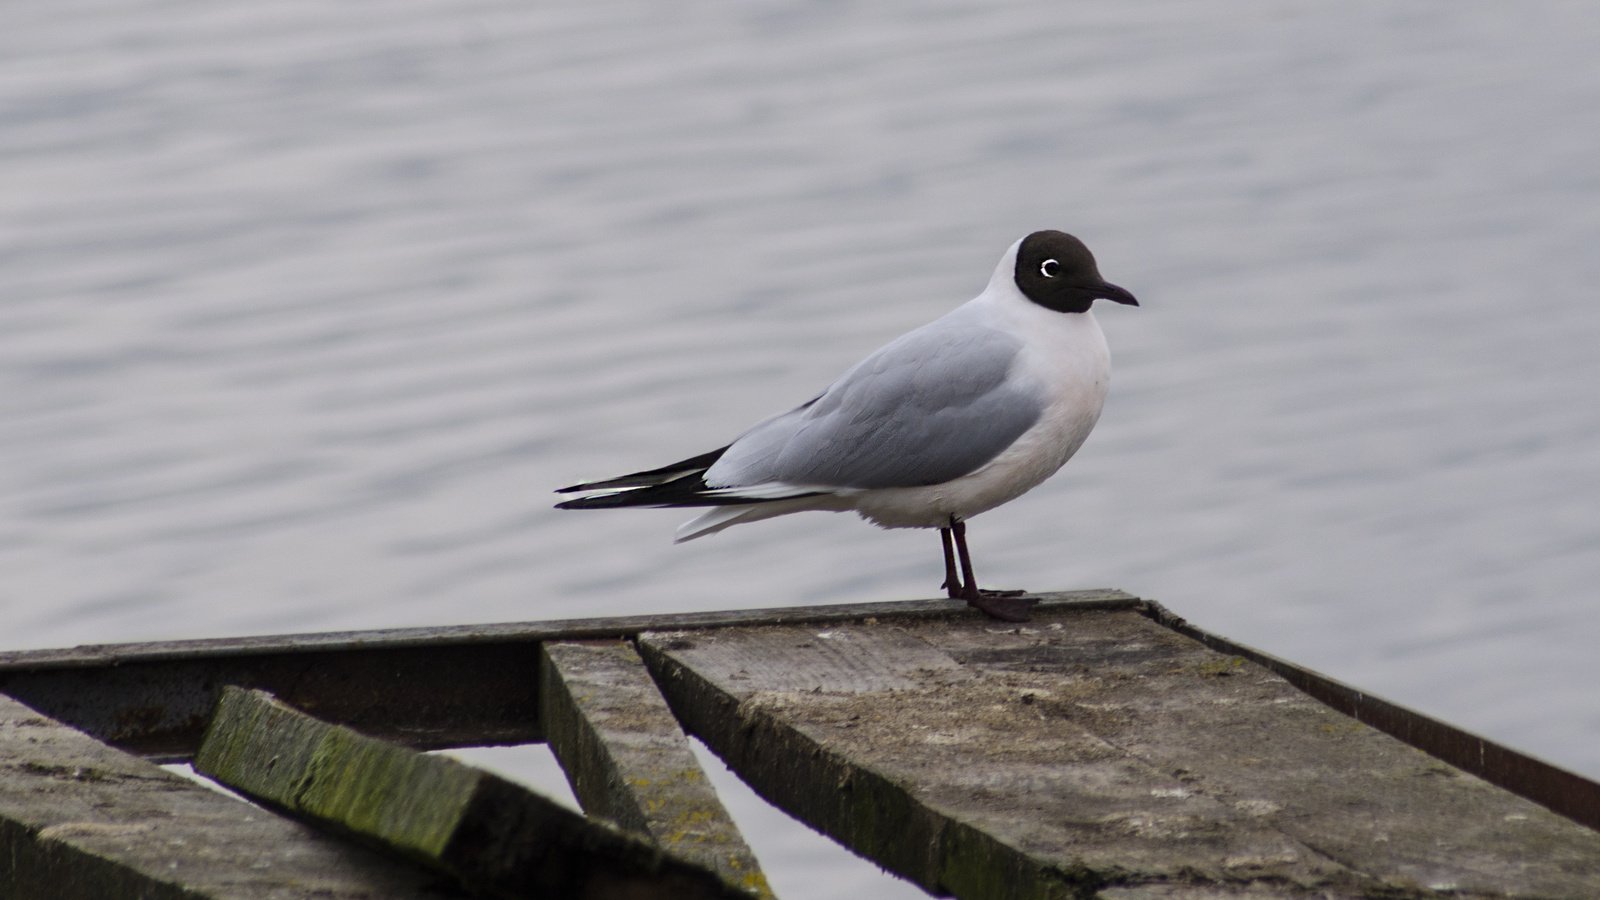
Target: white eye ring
<point>1049,268</point>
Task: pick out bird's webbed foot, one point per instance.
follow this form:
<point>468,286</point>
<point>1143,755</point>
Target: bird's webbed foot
<point>1007,606</point>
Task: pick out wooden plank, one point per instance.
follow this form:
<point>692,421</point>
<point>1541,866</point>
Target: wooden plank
<point>1015,767</point>
<point>477,685</point>
<point>471,685</point>
<point>498,838</point>
<point>932,780</point>
<point>1239,731</point>
<point>628,760</point>
<point>610,627</point>
<point>1567,793</point>
<point>82,821</point>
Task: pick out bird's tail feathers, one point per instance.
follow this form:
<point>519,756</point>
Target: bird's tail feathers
<point>710,522</point>
<point>714,520</point>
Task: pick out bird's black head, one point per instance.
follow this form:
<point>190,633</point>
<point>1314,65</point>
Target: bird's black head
<point>1056,271</point>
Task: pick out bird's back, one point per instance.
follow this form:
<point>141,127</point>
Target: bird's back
<point>934,404</point>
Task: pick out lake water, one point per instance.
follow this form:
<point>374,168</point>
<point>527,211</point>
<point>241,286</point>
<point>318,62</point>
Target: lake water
<point>305,308</point>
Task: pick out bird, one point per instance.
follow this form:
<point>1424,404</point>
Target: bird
<point>947,421</point>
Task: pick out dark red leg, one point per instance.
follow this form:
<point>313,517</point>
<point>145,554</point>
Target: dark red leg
<point>952,583</point>
<point>1009,606</point>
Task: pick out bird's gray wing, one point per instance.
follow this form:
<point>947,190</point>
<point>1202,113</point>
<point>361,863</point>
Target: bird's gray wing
<point>929,407</point>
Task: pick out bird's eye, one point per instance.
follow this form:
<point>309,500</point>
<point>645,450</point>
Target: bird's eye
<point>1049,268</point>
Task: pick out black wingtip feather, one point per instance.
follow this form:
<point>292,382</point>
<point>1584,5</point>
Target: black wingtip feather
<point>694,465</point>
<point>687,490</point>
<point>680,484</point>
<point>604,501</point>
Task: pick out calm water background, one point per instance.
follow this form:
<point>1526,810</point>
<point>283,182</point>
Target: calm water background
<point>304,308</point>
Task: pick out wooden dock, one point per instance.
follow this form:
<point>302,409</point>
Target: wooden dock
<point>1105,749</point>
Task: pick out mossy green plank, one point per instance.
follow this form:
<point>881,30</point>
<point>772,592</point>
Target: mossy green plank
<point>269,750</point>
<point>497,838</point>
<point>82,821</point>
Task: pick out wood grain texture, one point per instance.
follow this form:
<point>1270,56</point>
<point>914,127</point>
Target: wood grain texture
<point>628,761</point>
<point>1099,751</point>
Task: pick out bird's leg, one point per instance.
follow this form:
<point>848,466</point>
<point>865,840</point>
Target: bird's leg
<point>969,582</point>
<point>952,583</point>
<point>1009,606</point>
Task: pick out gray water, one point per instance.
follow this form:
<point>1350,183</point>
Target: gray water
<point>305,307</point>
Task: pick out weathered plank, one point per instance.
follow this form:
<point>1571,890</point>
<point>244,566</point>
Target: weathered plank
<point>1238,731</point>
<point>82,821</point>
<point>473,685</point>
<point>477,685</point>
<point>910,766</point>
<point>628,760</point>
<point>1098,750</point>
<point>1566,792</point>
<point>498,838</point>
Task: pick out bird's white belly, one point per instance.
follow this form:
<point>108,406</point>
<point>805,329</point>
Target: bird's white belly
<point>1035,456</point>
<point>1021,467</point>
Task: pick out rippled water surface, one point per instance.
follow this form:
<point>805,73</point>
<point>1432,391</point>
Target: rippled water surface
<point>304,308</point>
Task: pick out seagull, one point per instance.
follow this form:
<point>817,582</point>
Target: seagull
<point>949,420</point>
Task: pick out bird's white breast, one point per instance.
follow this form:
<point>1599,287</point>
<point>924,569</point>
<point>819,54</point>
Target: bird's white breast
<point>1064,357</point>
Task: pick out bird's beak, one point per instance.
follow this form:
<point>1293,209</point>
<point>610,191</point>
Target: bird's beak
<point>1110,291</point>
